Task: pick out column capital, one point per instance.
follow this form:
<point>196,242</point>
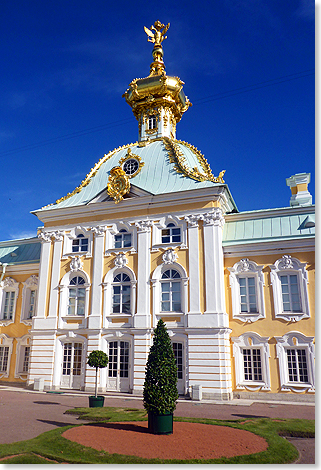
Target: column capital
<point>57,236</point>
<point>99,231</point>
<point>193,219</point>
<point>214,217</point>
<point>144,225</point>
<point>45,237</point>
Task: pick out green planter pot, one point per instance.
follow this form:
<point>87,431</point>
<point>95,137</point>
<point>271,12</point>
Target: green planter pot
<point>160,423</point>
<point>96,402</point>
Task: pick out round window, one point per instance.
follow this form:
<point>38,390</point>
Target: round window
<point>130,166</point>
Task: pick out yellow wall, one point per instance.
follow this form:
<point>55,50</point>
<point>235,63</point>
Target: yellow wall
<point>269,326</point>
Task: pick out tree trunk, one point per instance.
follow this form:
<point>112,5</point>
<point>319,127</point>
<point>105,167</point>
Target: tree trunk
<point>96,384</point>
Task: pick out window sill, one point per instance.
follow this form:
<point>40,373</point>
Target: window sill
<point>116,251</point>
<point>163,246</point>
<point>248,317</point>
<point>297,387</point>
<point>6,322</point>
<point>253,386</point>
<point>87,254</point>
<point>291,316</point>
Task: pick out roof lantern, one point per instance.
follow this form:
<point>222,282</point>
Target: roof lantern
<point>158,101</point>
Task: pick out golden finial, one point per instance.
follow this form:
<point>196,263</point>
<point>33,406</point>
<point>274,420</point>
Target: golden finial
<point>157,37</point>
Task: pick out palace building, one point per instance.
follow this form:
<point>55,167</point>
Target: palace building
<point>151,233</point>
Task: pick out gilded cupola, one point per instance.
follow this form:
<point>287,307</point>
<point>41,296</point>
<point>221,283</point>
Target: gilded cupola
<point>158,101</point>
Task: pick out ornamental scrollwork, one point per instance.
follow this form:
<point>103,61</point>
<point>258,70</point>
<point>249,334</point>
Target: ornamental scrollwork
<point>76,264</point>
<point>118,184</point>
<point>169,257</point>
<point>144,225</point>
<point>121,260</point>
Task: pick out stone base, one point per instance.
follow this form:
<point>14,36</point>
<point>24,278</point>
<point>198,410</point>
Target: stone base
<point>286,397</point>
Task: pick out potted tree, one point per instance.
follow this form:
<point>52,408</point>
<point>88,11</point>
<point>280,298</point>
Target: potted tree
<point>99,360</point>
<point>160,386</point>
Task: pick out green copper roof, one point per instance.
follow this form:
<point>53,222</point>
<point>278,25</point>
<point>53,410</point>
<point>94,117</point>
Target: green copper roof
<point>269,225</point>
<point>157,176</point>
<point>20,251</point>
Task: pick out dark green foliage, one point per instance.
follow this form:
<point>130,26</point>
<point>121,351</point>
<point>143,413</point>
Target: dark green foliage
<point>99,360</point>
<point>160,387</point>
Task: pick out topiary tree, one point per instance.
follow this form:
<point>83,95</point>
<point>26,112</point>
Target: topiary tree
<point>160,386</point>
<point>99,360</point>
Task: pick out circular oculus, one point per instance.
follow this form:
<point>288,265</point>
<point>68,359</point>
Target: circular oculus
<point>131,166</point>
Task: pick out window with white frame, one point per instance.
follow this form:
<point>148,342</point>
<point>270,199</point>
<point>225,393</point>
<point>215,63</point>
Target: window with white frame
<point>123,239</point>
<point>9,291</point>
<point>78,240</point>
<point>121,293</point>
<point>295,353</point>
<point>80,244</point>
<point>29,299</point>
<point>170,231</point>
<point>289,280</point>
<point>171,291</point>
<point>151,122</point>
<point>171,234</point>
<point>251,355</point>
<point>5,354</point>
<point>22,357</point>
<point>74,296</point>
<point>77,295</point>
<point>247,281</point>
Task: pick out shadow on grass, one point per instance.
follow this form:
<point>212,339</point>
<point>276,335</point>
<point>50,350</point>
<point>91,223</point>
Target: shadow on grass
<point>122,426</point>
<point>59,424</point>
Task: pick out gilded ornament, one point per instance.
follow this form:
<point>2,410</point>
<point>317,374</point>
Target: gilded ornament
<point>118,184</point>
<point>128,156</point>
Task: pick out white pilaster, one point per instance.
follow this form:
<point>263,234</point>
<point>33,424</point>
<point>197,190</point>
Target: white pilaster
<point>55,274</point>
<point>142,318</point>
<point>142,342</point>
<point>45,239</point>
<point>194,265</point>
<point>214,269</point>
<point>94,318</point>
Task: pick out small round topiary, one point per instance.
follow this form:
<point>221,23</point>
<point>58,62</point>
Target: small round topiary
<point>160,386</point>
<point>99,360</point>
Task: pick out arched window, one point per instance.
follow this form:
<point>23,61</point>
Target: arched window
<point>80,244</point>
<point>171,234</point>
<point>171,291</point>
<point>77,294</point>
<point>121,293</point>
<point>123,239</point>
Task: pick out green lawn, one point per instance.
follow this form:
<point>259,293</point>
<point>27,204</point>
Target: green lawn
<point>51,448</point>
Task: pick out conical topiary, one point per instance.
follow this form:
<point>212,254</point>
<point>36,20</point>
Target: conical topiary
<point>160,387</point>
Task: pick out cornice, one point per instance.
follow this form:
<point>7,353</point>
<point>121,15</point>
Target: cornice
<point>143,203</point>
<point>266,247</point>
<point>32,268</point>
<point>266,213</point>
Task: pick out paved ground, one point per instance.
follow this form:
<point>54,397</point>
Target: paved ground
<point>25,414</point>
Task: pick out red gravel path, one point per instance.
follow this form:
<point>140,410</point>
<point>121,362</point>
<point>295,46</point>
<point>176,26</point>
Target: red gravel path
<point>188,441</point>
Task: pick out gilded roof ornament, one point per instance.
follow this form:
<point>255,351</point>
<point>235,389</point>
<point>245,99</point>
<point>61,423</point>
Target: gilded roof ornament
<point>156,35</point>
<point>118,184</point>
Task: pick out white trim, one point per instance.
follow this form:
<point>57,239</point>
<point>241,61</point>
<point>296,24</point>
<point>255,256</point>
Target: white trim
<point>161,225</point>
<point>107,284</point>
<point>70,337</point>
<point>6,341</point>
<point>30,284</point>
<point>251,340</point>
<point>22,343</point>
<point>113,230</point>
<point>117,336</point>
<point>64,296</point>
<point>245,269</point>
<point>156,286</point>
<point>8,285</point>
<point>295,340</point>
<point>289,265</point>
<point>71,235</point>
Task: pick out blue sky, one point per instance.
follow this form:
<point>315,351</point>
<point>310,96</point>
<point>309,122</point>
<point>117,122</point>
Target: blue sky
<point>248,68</point>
